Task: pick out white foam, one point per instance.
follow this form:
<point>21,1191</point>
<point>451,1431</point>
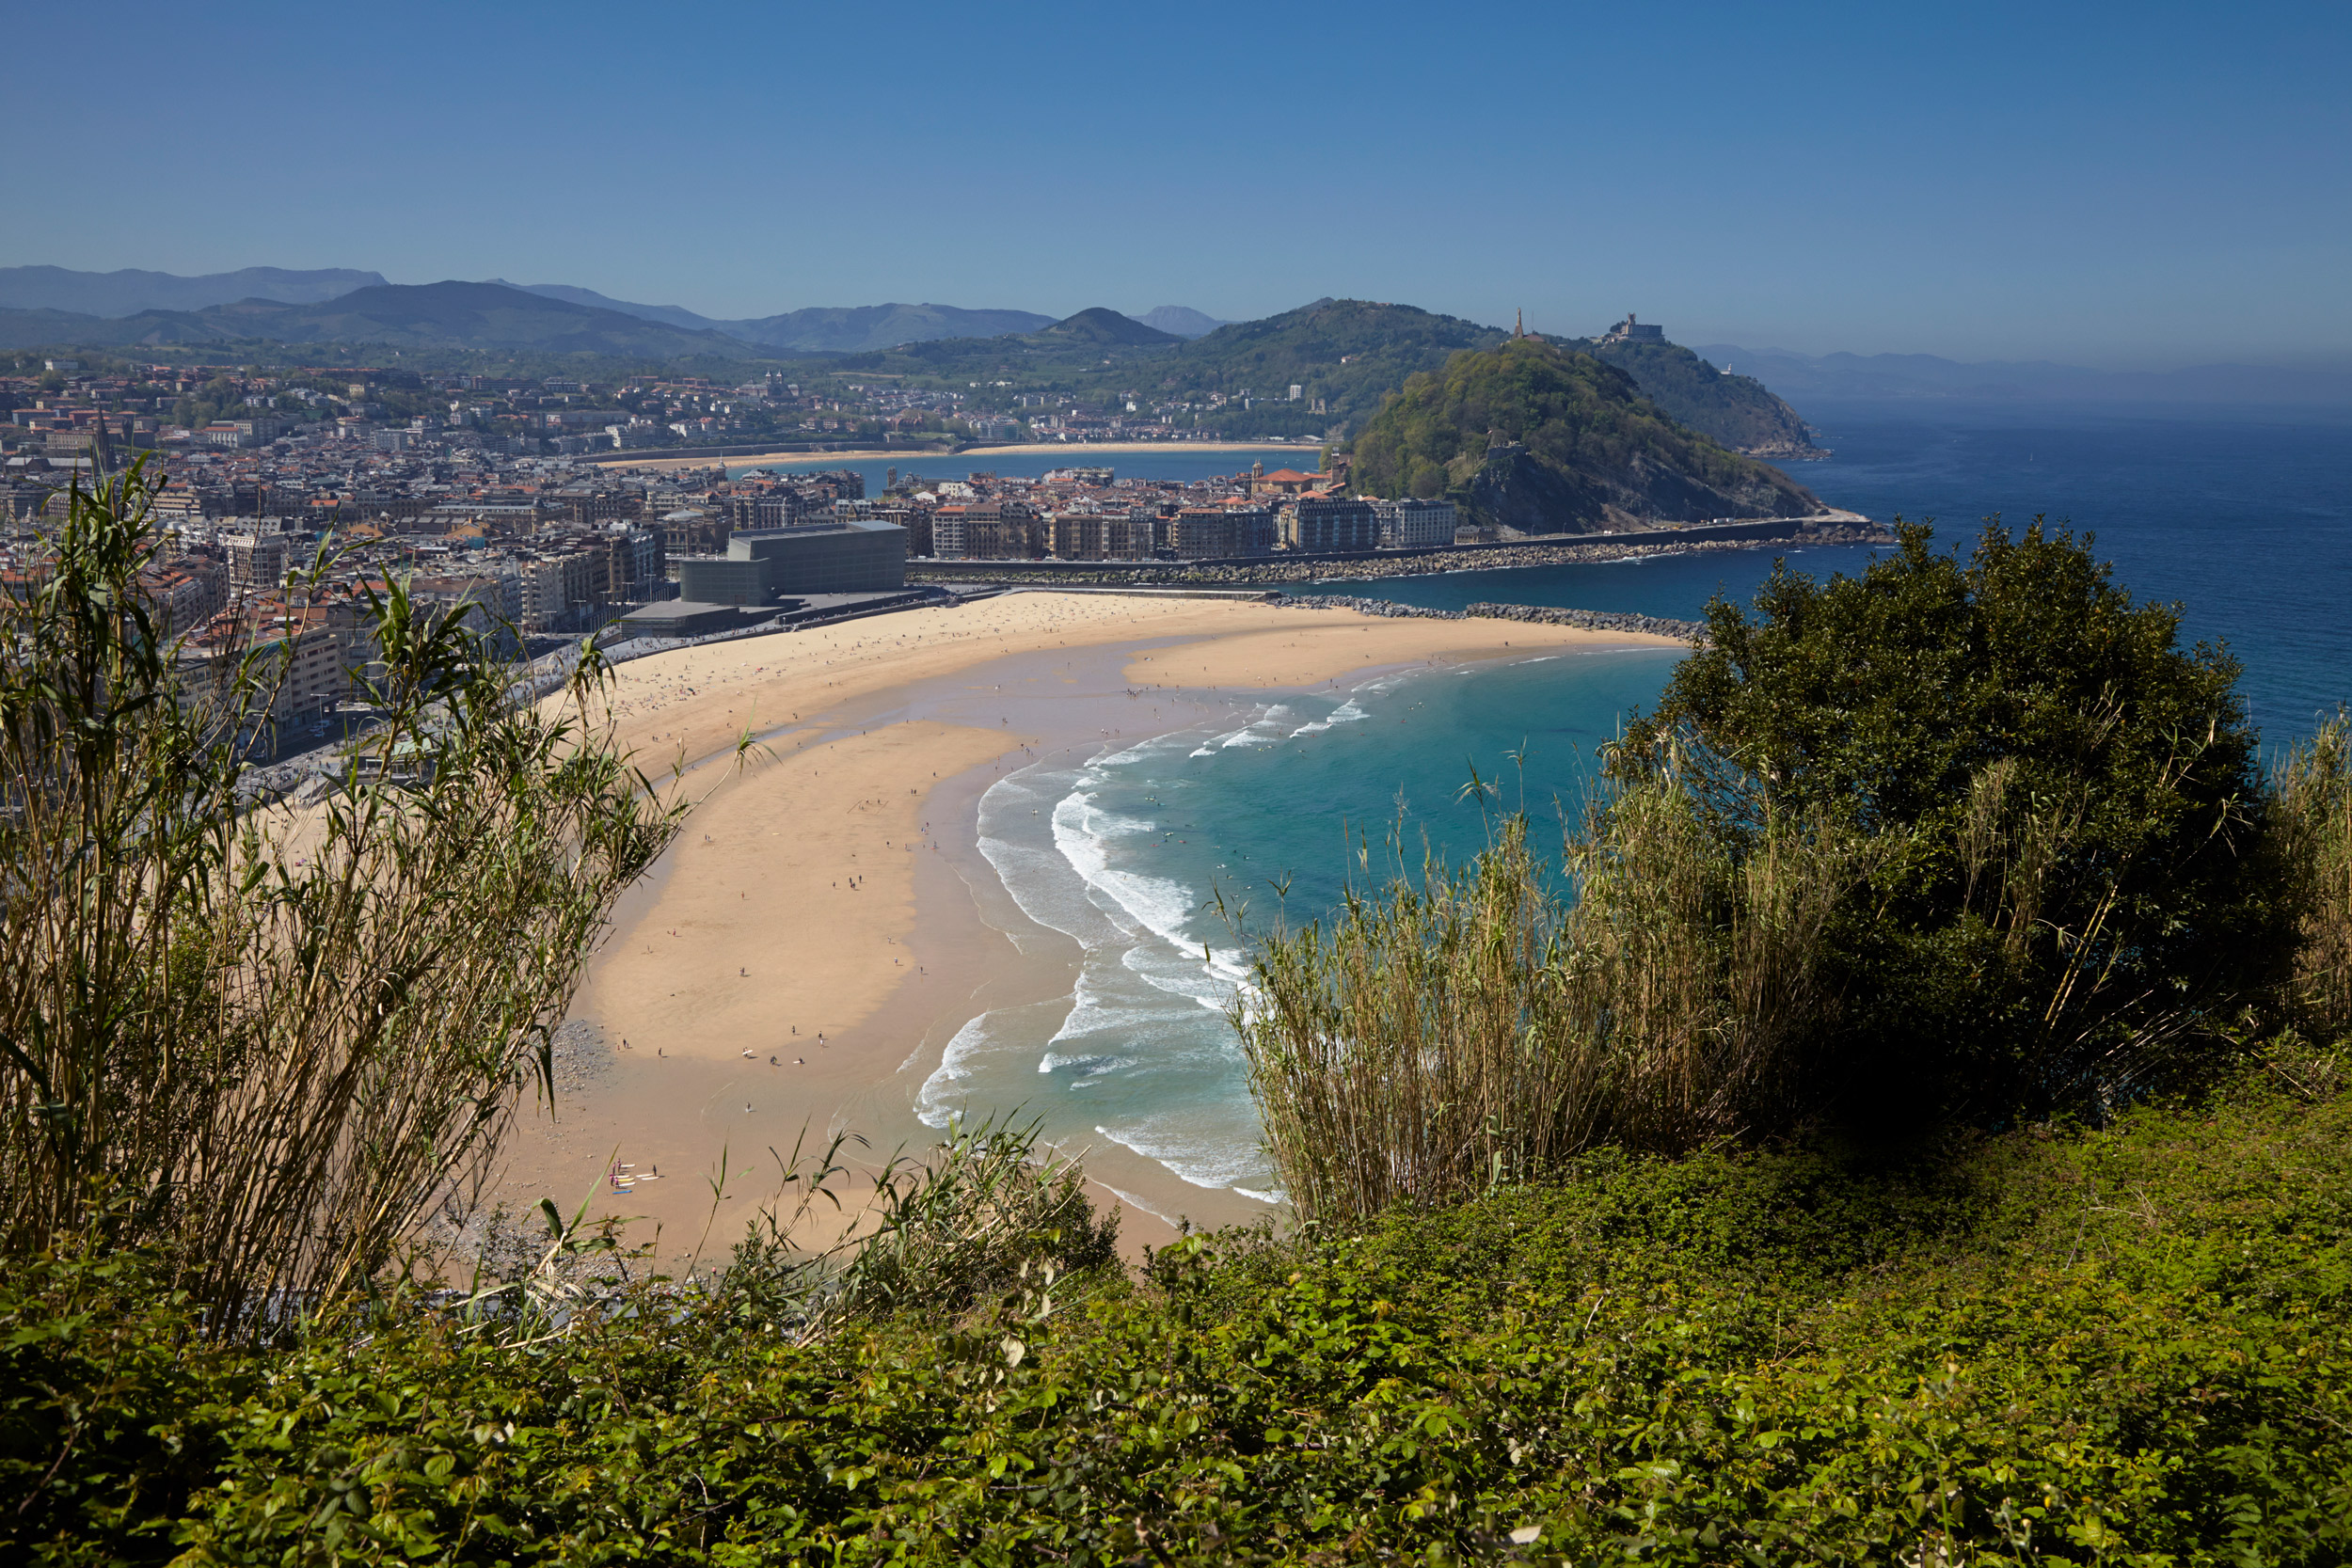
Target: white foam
<point>1218,1166</point>
<point>1153,904</point>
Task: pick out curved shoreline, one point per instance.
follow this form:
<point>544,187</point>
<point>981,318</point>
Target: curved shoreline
<point>838,889</point>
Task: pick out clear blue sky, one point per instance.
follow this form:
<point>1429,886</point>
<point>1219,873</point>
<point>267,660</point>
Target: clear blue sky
<point>2120,185</point>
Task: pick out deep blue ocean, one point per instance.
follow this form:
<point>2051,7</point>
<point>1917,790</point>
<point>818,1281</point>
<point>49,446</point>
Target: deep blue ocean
<point>2245,517</point>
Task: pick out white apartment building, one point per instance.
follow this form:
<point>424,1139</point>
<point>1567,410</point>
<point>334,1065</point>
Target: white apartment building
<point>556,590</point>
<point>257,562</point>
<point>1406,525</point>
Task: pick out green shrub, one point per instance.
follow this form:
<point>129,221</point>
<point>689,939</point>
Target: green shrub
<point>2312,790</point>
<point>2123,1346</point>
<point>2075,877</point>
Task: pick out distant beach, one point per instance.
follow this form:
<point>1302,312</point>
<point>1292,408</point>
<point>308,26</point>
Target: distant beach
<point>1078,451</point>
<point>827,924</point>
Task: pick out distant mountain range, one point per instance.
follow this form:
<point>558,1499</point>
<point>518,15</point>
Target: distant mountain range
<point>130,290</point>
<point>853,329</point>
<point>429,315</point>
<point>555,320</point>
<point>1857,377</point>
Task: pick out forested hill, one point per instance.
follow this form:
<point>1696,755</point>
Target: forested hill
<point>1734,411</point>
<point>1346,353</point>
<point>1543,439</point>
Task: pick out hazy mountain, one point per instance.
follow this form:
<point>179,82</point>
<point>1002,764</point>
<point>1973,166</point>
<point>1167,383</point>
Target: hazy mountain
<point>55,329</point>
<point>819,329</point>
<point>130,290</point>
<point>1857,377</point>
<point>427,316</point>
<point>864,328</point>
<point>672,315</point>
<point>1179,321</point>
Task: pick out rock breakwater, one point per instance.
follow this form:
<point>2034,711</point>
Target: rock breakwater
<point>1274,572</point>
<point>1550,615</point>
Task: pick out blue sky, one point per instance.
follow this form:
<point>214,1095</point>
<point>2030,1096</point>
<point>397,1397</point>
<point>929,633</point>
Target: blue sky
<point>2118,185</point>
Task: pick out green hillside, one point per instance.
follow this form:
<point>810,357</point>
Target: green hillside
<point>1349,353</point>
<point>42,327</point>
<point>2120,1347</point>
<point>1734,411</point>
<point>1101,325</point>
<point>1543,439</point>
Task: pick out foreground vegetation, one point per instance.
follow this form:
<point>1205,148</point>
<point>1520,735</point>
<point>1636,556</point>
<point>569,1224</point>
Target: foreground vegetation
<point>1923,1138</point>
<point>274,1039</point>
<point>2112,1346</point>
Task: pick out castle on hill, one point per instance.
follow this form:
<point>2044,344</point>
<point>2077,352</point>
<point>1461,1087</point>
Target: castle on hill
<point>1631,331</point>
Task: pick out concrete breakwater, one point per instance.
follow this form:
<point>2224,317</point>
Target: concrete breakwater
<point>1550,615</point>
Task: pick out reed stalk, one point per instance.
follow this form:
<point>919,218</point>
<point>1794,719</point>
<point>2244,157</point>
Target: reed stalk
<point>2312,788</point>
<point>267,1041</point>
<point>1440,1036</point>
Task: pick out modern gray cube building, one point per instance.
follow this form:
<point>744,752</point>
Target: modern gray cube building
<point>847,557</point>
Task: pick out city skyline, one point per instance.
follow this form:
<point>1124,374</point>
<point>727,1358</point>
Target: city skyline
<point>2013,185</point>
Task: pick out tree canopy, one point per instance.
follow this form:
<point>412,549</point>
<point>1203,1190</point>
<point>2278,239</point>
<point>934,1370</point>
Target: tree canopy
<point>2062,806</point>
<point>1737,411</point>
<point>1596,451</point>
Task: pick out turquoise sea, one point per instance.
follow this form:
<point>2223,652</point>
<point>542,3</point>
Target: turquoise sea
<point>2242,515</point>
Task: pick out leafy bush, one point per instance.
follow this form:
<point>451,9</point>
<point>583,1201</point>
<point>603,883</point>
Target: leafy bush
<point>2075,873</point>
<point>2312,813</point>
<point>2115,1347</point>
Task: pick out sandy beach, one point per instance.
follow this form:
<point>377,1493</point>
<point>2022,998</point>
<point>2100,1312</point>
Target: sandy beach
<point>1077,452</point>
<point>825,924</point>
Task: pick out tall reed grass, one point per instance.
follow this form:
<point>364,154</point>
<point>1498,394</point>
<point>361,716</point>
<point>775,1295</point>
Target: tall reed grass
<point>2312,790</point>
<point>1439,1035</point>
<point>260,1040</point>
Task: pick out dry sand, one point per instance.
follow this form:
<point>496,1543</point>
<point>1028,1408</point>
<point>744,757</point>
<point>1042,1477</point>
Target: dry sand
<point>818,911</point>
<point>1076,451</point>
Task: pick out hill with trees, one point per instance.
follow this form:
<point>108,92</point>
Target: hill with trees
<point>1734,411</point>
<point>1099,325</point>
<point>819,329</point>
<point>1537,439</point>
<point>1342,354</point>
